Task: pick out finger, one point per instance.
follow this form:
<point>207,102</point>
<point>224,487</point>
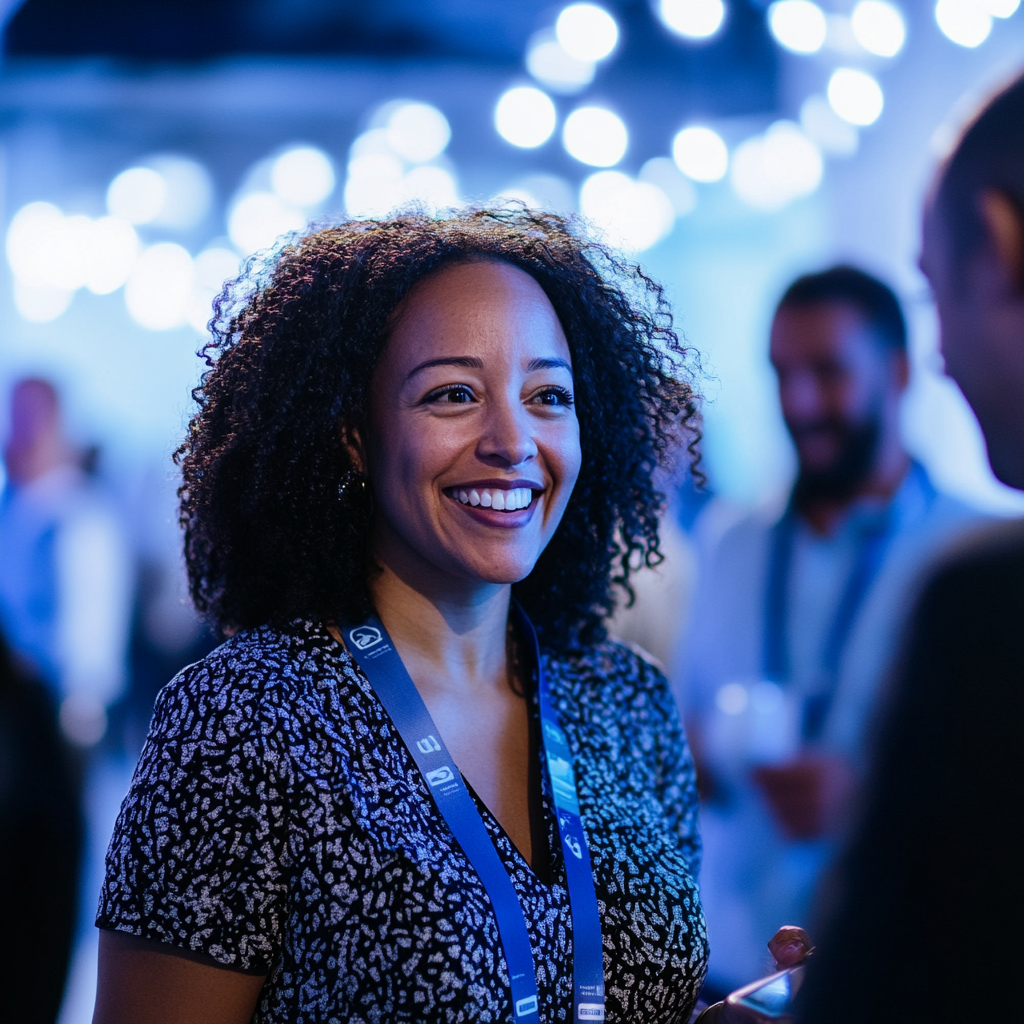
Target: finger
<point>789,945</point>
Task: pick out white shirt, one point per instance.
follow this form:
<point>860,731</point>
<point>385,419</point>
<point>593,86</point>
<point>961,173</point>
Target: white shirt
<point>754,880</point>
<point>66,584</point>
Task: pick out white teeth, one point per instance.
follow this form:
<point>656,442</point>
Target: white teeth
<point>496,498</point>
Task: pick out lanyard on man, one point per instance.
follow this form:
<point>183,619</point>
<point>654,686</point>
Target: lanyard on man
<point>376,655</point>
<point>872,545</point>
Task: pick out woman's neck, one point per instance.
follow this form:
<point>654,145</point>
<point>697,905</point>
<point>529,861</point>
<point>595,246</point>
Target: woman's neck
<point>450,630</point>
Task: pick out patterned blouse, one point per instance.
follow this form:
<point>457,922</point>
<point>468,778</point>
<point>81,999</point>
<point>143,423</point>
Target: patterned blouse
<point>278,824</point>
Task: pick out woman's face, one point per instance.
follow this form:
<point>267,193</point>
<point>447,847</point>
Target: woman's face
<point>474,445</point>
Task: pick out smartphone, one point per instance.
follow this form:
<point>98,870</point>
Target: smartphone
<point>771,998</point>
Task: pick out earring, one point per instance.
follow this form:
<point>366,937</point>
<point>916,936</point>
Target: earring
<point>348,480</point>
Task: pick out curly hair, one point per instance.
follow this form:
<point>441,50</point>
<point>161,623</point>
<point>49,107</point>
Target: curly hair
<point>274,532</point>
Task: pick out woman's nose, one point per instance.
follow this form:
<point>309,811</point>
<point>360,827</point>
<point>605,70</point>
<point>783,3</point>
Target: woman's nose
<point>507,437</point>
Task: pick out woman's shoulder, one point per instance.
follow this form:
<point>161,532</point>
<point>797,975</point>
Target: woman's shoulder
<point>611,662</point>
<point>615,675</point>
<point>253,674</point>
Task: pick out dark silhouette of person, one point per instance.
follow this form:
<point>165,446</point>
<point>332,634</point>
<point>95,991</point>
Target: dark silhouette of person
<point>40,847</point>
<point>923,920</point>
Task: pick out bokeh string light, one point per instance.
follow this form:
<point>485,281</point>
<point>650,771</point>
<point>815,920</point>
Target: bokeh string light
<point>798,25</point>
<point>525,117</point>
<point>400,159</point>
<point>692,19</point>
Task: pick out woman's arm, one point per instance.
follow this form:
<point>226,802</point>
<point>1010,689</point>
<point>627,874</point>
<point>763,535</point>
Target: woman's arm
<point>142,981</point>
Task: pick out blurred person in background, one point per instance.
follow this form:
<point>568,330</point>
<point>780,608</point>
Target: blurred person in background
<point>65,568</point>
<point>932,878</point>
<point>40,846</point>
<point>796,616</point>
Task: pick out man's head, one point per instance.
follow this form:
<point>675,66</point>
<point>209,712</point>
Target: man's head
<point>839,347</point>
<point>35,442</point>
<point>973,255</point>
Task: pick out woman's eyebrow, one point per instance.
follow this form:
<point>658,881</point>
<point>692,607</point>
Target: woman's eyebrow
<point>548,364</point>
<point>468,361</point>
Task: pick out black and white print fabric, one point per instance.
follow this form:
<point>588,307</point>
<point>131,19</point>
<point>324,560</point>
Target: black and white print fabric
<point>278,824</point>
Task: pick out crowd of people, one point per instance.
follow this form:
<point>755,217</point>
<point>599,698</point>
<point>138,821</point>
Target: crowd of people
<point>435,772</point>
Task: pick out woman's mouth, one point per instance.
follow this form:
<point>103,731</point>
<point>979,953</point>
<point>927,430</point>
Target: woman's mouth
<point>497,498</point>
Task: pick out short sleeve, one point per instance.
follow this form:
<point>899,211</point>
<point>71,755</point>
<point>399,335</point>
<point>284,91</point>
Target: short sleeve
<point>196,859</point>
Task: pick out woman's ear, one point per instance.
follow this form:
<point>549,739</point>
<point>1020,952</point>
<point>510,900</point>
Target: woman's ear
<point>353,442</point>
<point>1004,228</point>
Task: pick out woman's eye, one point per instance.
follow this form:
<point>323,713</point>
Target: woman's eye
<point>456,394</point>
<point>553,396</point>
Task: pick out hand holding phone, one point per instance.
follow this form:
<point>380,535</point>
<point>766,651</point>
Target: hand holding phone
<point>767,999</point>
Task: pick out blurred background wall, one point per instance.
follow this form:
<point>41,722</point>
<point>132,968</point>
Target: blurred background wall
<point>208,96</point>
<point>728,144</point>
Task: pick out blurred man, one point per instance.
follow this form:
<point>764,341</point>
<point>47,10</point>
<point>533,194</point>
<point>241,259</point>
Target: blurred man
<point>927,909</point>
<point>65,572</point>
<point>796,616</point>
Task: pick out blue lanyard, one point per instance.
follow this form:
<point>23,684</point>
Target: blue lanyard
<point>373,650</point>
<point>874,541</point>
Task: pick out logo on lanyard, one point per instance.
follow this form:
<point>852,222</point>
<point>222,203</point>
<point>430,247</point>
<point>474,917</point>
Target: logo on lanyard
<point>440,775</point>
<point>365,637</point>
<point>428,745</point>
<point>591,1011</point>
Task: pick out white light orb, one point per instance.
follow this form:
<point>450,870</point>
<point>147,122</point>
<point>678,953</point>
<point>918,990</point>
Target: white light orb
<point>40,303</point>
<point>548,62</point>
<point>525,116</point>
<point>35,233</point>
<point>211,269</point>
<point>214,266</point>
<point>433,187</point>
<point>664,173</point>
<point>731,699</point>
<point>113,248</point>
<point>825,127</point>
<point>375,167</point>
<point>418,132</point>
<point>137,194</point>
<point>586,32</point>
<point>792,159</point>
<point>159,289</point>
<point>373,142</point>
<point>631,215</point>
<point>878,27</point>
<point>700,154</point>
<point>188,192</point>
<point>595,136</point>
<point>771,170</point>
<point>1001,8</point>
<point>257,220</point>
<point>855,96</point>
<point>966,22</point>
<point>303,176</point>
<point>798,25</point>
<point>373,198</point>
<point>693,19</point>
<point>70,259</point>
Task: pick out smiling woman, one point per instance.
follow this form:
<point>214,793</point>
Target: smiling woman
<point>420,446</point>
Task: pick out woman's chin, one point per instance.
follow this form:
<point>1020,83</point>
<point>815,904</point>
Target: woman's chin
<point>499,571</point>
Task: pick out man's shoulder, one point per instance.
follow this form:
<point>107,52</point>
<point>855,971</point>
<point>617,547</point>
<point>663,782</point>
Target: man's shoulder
<point>992,549</point>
